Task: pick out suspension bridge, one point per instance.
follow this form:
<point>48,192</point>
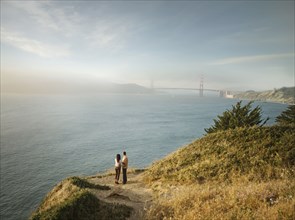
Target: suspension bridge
<point>201,89</point>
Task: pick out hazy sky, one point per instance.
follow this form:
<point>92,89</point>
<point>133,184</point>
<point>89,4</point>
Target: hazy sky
<point>234,44</point>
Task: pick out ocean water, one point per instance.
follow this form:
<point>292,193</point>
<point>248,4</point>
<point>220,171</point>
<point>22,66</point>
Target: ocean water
<point>46,138</point>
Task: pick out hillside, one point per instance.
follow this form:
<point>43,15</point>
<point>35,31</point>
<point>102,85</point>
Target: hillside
<point>96,197</point>
<point>257,153</point>
<point>282,95</point>
<point>245,173</point>
<point>72,199</point>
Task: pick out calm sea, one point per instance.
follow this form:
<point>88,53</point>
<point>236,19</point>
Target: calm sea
<point>45,139</point>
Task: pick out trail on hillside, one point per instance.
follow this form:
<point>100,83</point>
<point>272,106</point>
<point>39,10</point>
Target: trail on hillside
<point>133,194</point>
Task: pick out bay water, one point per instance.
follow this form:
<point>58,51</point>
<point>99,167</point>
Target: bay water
<point>46,138</point>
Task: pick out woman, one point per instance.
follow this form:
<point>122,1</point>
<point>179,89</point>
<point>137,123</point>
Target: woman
<point>117,168</point>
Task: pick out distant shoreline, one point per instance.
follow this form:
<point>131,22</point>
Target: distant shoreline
<point>283,96</point>
<point>268,101</point>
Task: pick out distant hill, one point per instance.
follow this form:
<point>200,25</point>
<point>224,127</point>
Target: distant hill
<point>73,87</point>
<point>282,95</point>
<point>129,88</point>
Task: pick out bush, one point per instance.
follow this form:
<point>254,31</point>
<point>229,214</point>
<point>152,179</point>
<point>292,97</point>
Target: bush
<point>239,116</point>
<point>287,116</point>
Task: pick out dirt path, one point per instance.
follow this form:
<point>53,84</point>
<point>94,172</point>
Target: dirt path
<point>134,194</point>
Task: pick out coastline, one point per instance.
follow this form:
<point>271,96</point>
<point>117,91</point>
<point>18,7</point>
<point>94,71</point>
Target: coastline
<point>284,95</point>
<point>266,101</point>
<point>210,174</point>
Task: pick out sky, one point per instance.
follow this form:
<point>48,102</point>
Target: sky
<point>235,45</point>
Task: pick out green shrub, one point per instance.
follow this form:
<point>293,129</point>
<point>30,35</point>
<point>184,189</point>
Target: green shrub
<point>287,116</point>
<point>239,116</point>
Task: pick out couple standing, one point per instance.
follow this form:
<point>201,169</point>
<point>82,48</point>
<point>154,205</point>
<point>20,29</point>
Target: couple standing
<point>118,165</point>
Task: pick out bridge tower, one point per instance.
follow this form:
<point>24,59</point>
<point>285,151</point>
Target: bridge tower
<point>201,86</point>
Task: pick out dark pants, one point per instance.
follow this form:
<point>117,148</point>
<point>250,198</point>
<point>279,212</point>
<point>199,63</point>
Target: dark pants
<point>118,171</point>
<point>124,175</point>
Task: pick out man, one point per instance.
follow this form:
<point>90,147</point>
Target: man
<point>124,167</point>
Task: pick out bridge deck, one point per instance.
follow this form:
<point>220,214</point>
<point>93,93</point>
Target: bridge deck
<point>213,90</point>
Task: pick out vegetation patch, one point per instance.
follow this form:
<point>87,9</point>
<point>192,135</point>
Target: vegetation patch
<point>82,183</point>
<point>244,200</point>
<point>238,116</point>
<point>236,171</point>
<point>256,154</point>
<point>242,173</point>
<point>287,117</point>
<point>84,205</point>
<point>71,199</point>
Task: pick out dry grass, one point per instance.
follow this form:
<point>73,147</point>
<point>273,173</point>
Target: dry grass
<point>72,199</point>
<point>59,194</point>
<point>258,153</point>
<point>271,200</point>
<point>235,174</point>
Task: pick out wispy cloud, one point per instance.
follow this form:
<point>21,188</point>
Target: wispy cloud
<point>36,10</point>
<point>49,16</point>
<point>98,30</point>
<point>110,35</point>
<point>32,46</point>
<point>256,58</point>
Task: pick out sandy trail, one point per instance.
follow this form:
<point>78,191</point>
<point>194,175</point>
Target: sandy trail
<point>134,194</point>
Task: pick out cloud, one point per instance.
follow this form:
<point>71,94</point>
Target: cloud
<point>55,20</point>
<point>50,16</point>
<point>32,46</point>
<point>109,34</point>
<point>257,58</point>
<point>37,11</point>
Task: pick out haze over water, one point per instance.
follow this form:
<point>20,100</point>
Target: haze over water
<point>45,139</point>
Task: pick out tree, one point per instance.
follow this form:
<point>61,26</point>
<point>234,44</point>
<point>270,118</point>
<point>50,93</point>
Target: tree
<point>287,117</point>
<point>239,116</point>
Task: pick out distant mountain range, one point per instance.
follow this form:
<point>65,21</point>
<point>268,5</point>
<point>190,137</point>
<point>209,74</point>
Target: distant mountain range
<point>58,87</point>
<point>120,88</point>
<point>282,95</point>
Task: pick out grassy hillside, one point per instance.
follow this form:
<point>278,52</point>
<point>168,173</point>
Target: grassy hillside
<point>283,95</point>
<point>243,173</point>
<point>236,174</point>
<point>72,199</point>
<point>258,153</point>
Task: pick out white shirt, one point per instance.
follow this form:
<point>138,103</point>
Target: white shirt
<point>117,164</point>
